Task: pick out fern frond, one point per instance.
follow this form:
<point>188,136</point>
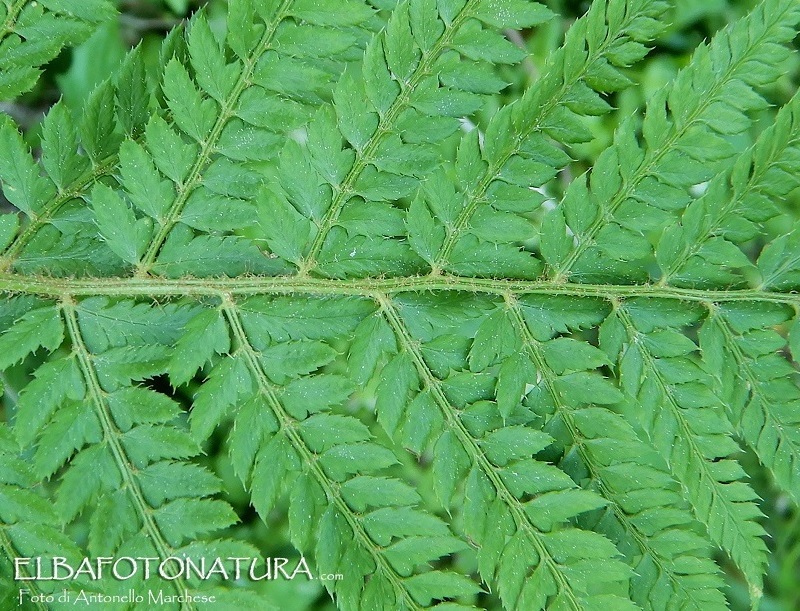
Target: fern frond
<point>631,188</point>
<point>514,503</point>
<point>416,91</point>
<point>299,263</point>
<point>286,327</point>
<point>284,439</point>
<point>50,208</point>
<point>28,523</point>
<point>704,247</point>
<point>516,153</point>
<point>42,197</point>
<point>646,510</point>
<point>156,151</point>
<point>642,512</point>
<point>676,408</point>
<point>33,33</point>
<point>120,449</point>
<point>757,384</point>
<point>227,109</point>
<point>126,460</point>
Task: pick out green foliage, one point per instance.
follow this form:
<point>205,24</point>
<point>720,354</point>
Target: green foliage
<point>322,266</point>
<point>33,33</point>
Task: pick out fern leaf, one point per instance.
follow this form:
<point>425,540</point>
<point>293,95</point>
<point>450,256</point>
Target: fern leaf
<point>646,509</point>
<point>401,79</point>
<point>138,493</point>
<point>22,184</point>
<point>33,33</point>
<point>235,94</point>
<point>280,437</point>
<point>348,526</point>
<point>507,528</point>
<point>115,453</point>
<point>114,439</point>
<point>713,227</point>
<point>680,415</point>
<point>44,199</point>
<point>230,132</point>
<point>56,382</point>
<point>301,267</point>
<point>777,263</point>
<point>679,129</point>
<point>756,384</point>
<point>599,445</point>
<point>41,327</point>
<point>28,523</point>
<point>516,154</point>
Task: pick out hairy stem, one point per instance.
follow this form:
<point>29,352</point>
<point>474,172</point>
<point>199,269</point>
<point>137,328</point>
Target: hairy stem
<point>367,287</point>
<point>11,17</point>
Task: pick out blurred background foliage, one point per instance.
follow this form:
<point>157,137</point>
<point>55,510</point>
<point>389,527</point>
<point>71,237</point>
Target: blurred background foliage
<point>76,71</point>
